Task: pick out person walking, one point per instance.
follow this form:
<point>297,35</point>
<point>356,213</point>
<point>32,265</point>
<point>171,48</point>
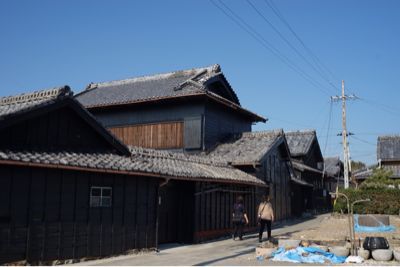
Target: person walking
<point>265,217</point>
<point>239,218</point>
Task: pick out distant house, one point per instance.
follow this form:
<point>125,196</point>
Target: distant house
<point>308,164</point>
<point>69,189</point>
<point>333,175</point>
<point>359,176</point>
<point>189,110</point>
<point>388,153</point>
<point>266,156</point>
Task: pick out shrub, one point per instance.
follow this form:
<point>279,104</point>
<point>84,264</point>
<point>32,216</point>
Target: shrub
<point>383,200</point>
<point>380,178</point>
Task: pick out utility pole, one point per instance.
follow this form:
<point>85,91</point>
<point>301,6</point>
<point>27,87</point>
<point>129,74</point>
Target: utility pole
<point>344,134</point>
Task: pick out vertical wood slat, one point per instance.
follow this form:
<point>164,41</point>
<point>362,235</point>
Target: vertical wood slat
<point>155,135</point>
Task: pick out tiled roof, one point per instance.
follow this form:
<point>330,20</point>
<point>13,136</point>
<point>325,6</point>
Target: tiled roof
<point>135,160</point>
<point>300,182</point>
<point>388,147</point>
<point>13,105</point>
<point>302,167</point>
<point>142,161</point>
<point>185,83</point>
<point>249,148</point>
<point>332,166</point>
<point>23,104</point>
<point>300,142</point>
<point>362,174</point>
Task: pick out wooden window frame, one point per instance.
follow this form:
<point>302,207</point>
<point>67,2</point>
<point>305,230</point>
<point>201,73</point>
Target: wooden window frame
<point>101,203</point>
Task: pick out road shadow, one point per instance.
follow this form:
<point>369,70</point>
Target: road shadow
<point>204,263</point>
<point>249,235</point>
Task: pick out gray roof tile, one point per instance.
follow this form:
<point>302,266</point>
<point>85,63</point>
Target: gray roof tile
<point>333,166</point>
<point>25,102</point>
<point>300,142</point>
<point>148,87</point>
<point>161,86</point>
<point>303,167</point>
<point>169,164</point>
<point>248,148</point>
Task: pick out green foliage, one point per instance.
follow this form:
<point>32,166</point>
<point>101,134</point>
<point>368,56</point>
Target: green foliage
<point>380,178</point>
<point>383,201</point>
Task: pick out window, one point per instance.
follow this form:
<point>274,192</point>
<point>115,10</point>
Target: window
<point>100,196</point>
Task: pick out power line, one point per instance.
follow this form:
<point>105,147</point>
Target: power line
<point>383,107</point>
<point>261,40</point>
<point>290,45</point>
<point>364,141</point>
<point>329,125</point>
<point>316,60</point>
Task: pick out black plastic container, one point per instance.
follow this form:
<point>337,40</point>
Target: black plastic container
<point>375,242</point>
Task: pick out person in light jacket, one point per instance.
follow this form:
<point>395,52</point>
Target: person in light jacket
<point>265,217</point>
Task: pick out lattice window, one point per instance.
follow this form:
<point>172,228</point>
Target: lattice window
<point>100,196</point>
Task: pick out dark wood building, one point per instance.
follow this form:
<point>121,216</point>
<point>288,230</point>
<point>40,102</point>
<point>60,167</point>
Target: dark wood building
<point>190,110</point>
<point>69,189</point>
<point>308,164</point>
<point>266,156</point>
<point>388,153</point>
<point>333,173</point>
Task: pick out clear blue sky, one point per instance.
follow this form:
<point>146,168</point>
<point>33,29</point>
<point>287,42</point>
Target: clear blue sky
<point>51,43</point>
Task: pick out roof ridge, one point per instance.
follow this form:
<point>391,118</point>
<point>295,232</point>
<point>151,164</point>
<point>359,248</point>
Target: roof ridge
<point>148,152</point>
<point>37,95</point>
<point>263,133</point>
<point>389,136</point>
<point>304,131</point>
<point>159,76</point>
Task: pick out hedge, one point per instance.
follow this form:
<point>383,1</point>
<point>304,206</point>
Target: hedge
<point>383,201</point>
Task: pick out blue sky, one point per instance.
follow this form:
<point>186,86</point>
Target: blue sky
<point>51,43</point>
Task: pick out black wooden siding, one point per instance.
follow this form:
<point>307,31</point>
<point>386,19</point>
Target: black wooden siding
<point>45,214</point>
<point>62,129</point>
<point>213,205</point>
<point>131,115</point>
<point>274,170</point>
<point>221,123</point>
<point>176,212</point>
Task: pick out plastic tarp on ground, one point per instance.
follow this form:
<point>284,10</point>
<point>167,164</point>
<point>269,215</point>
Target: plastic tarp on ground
<point>371,229</point>
<point>306,255</point>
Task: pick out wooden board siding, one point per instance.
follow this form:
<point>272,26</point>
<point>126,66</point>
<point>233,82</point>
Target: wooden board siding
<point>221,124</point>
<point>274,171</point>
<point>155,135</point>
<point>45,215</point>
<point>214,203</point>
<point>61,129</point>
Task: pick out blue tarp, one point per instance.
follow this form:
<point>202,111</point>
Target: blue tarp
<point>306,255</point>
<point>370,229</point>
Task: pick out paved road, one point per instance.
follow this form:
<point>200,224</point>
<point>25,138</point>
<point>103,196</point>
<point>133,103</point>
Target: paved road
<point>221,252</point>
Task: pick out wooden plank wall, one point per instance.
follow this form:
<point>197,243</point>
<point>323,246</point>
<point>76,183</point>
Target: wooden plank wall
<point>155,135</point>
<point>61,129</point>
<point>275,173</point>
<point>45,215</point>
<point>213,206</point>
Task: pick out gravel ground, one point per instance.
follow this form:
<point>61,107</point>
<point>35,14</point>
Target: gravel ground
<point>336,228</point>
<point>330,228</point>
<point>227,252</point>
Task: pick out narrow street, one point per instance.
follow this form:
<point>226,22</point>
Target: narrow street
<point>220,252</point>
